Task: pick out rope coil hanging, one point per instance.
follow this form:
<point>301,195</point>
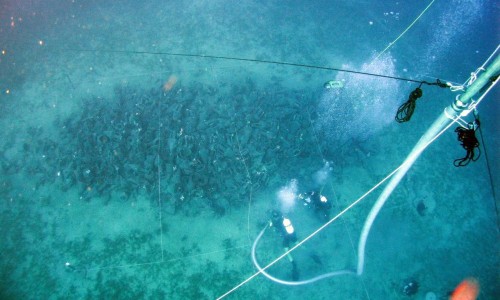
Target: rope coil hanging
<point>406,110</point>
<point>467,137</point>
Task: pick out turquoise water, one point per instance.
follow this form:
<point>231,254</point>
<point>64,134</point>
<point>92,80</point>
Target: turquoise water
<point>132,167</point>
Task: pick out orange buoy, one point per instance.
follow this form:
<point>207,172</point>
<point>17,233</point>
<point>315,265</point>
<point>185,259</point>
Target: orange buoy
<point>468,289</point>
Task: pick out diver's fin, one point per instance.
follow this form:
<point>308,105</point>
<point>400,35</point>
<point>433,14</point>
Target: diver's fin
<point>295,272</point>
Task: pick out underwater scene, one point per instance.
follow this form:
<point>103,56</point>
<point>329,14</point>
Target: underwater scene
<point>215,149</point>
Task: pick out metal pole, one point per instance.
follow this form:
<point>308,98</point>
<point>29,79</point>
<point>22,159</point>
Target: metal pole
<point>463,100</point>
<point>441,124</point>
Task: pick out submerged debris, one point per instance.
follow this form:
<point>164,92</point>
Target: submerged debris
<point>410,287</point>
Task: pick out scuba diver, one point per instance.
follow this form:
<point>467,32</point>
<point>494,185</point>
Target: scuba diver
<point>318,202</point>
<point>285,228</point>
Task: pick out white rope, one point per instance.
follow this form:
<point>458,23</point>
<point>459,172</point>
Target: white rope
<point>474,75</point>
<point>159,178</point>
<point>159,262</point>
<point>408,28</point>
